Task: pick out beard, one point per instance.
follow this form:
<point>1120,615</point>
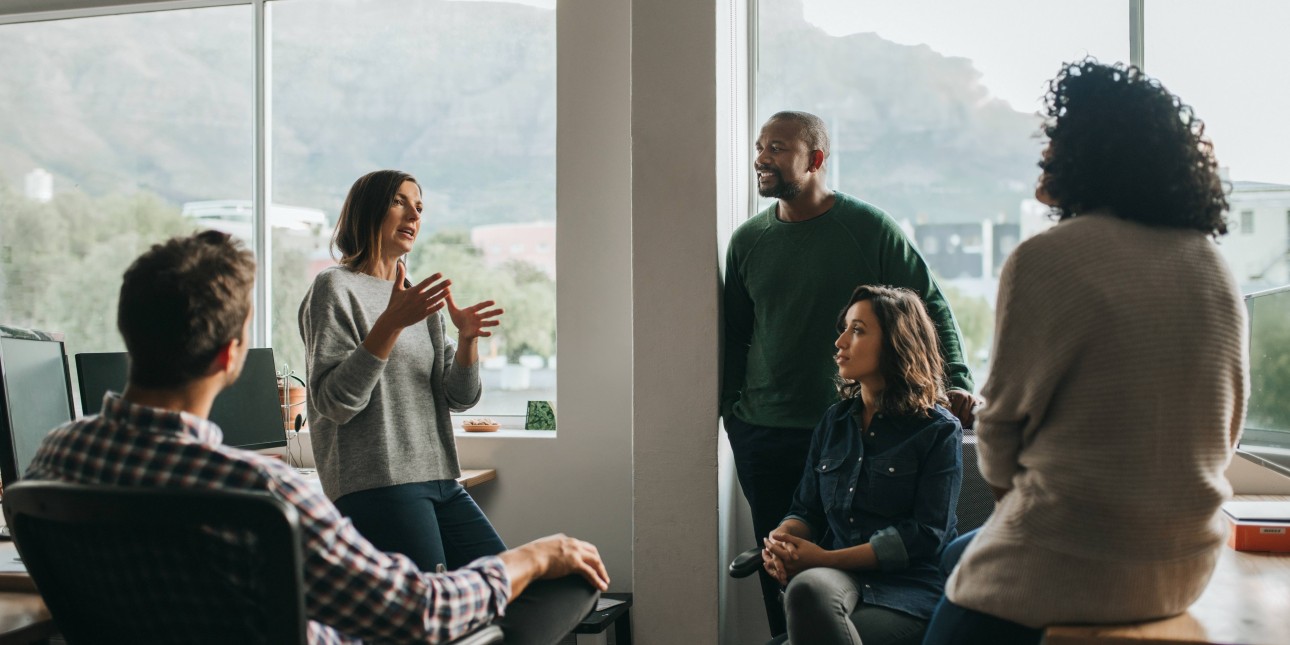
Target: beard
<point>781,189</point>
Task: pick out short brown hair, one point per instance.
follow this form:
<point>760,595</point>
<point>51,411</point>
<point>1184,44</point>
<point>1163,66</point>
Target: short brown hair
<point>911,363</point>
<point>358,230</point>
<point>181,302</point>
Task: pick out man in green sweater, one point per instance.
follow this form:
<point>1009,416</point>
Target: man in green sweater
<point>789,271</point>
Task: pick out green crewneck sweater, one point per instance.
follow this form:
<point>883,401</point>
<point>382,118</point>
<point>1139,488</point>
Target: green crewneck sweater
<point>785,284</point>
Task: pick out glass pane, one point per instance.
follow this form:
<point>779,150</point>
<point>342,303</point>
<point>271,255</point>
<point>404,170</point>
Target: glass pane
<point>1244,108</point>
<point>932,110</point>
<point>116,133</point>
<point>462,96</point>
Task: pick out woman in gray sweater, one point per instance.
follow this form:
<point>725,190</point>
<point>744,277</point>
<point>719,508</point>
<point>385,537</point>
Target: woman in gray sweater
<point>1118,379</point>
<point>383,380</point>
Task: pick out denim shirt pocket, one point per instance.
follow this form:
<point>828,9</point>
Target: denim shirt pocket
<point>893,481</point>
<point>829,474</point>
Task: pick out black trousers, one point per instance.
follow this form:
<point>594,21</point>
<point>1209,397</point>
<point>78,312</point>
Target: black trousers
<point>769,462</point>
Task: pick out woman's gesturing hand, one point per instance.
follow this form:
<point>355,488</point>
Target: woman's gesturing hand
<point>473,321</point>
<point>411,305</point>
<point>408,306</point>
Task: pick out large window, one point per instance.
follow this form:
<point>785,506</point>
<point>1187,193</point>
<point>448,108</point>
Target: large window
<point>934,122</point>
<point>119,131</point>
<point>1244,108</point>
<point>109,128</point>
<point>462,96</point>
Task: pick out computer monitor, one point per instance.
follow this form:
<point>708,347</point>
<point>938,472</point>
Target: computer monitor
<point>35,395</point>
<point>1267,417</point>
<point>248,411</point>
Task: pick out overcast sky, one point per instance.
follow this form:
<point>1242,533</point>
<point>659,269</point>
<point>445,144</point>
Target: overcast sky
<point>1224,57</point>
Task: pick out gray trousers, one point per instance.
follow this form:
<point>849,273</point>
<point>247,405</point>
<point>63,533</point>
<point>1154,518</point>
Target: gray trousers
<point>823,607</point>
<point>548,610</point>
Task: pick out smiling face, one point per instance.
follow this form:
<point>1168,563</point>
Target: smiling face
<point>783,160</point>
<point>860,346</point>
<point>402,221</point>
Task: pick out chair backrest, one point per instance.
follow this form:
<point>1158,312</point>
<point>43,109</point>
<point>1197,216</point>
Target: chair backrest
<point>135,565</point>
<point>976,499</point>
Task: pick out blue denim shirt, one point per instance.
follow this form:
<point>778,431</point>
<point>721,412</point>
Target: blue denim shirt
<point>893,486</point>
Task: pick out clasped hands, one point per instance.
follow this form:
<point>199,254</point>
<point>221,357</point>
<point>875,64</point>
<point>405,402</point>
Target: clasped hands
<point>410,305</point>
<point>785,555</point>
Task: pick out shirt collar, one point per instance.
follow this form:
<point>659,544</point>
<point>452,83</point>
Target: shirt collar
<point>159,420</point>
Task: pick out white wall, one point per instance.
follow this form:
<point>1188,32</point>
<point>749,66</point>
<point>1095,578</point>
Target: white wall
<point>674,294</point>
<point>580,482</point>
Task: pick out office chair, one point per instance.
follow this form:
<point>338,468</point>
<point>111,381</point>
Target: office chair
<point>137,565</point>
<point>976,498</point>
<point>976,503</point>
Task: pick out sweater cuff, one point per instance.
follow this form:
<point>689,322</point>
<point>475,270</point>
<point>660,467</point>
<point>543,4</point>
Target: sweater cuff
<point>463,385</point>
<point>997,473</point>
<point>889,548</point>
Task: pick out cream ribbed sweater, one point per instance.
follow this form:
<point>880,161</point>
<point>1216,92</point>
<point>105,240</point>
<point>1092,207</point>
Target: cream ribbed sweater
<point>1115,397</point>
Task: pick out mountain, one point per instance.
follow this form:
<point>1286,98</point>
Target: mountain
<point>462,95</point>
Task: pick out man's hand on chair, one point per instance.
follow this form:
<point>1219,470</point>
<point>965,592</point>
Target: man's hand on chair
<point>554,556</point>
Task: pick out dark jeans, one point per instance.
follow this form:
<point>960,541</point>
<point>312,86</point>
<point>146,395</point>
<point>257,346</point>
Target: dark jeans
<point>433,522</point>
<point>955,625</point>
<point>769,462</point>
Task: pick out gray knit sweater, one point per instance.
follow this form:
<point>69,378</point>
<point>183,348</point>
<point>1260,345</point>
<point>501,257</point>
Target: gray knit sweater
<point>378,422</point>
<point>1115,397</point>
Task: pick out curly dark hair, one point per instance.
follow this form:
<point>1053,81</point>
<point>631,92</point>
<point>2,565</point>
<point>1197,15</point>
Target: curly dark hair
<point>911,363</point>
<point>1122,142</point>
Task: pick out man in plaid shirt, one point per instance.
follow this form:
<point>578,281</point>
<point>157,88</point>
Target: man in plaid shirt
<point>184,313</point>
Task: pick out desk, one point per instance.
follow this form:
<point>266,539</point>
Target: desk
<point>1246,603</point>
<point>469,478</point>
<point>476,477</point>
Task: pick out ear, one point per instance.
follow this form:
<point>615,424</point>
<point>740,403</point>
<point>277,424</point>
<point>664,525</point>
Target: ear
<point>817,160</point>
<point>225,358</point>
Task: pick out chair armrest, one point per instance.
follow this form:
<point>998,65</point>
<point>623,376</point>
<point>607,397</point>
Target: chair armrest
<point>747,563</point>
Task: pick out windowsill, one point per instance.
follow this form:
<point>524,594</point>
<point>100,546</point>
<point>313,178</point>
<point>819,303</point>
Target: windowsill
<point>507,434</point>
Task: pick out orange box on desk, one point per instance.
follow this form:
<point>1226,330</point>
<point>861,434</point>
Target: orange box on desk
<point>1258,526</point>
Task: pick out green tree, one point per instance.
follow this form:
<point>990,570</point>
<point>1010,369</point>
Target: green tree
<point>526,293</point>
<point>292,251</point>
<point>1269,405</point>
<point>61,262</point>
<point>976,324</point>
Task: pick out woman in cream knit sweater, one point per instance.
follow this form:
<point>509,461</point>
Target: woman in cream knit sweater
<point>1118,384</point>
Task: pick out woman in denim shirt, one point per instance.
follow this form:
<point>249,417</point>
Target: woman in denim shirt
<point>860,547</point>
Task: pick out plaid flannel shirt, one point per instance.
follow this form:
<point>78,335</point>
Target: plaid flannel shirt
<point>352,590</point>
